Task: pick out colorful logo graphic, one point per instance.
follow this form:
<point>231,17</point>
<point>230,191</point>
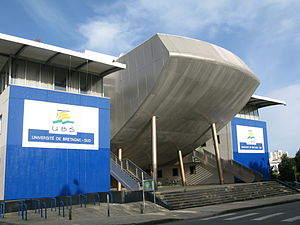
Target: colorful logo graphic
<point>60,126</point>
<point>251,137</point>
<point>63,117</point>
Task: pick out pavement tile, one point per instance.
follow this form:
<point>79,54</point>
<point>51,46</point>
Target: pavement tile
<point>130,213</point>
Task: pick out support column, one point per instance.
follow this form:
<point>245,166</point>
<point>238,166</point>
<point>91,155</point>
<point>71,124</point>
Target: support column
<point>10,72</point>
<point>120,158</point>
<point>154,150</point>
<point>183,180</point>
<point>217,152</point>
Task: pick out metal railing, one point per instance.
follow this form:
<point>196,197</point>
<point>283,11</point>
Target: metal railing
<point>209,158</point>
<point>131,168</point>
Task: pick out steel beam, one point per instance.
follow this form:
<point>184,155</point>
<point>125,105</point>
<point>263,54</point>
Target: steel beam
<point>120,158</point>
<point>154,151</point>
<point>183,180</point>
<point>217,152</point>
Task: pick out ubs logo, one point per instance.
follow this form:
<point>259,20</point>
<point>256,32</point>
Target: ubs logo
<point>63,124</point>
<point>251,138</point>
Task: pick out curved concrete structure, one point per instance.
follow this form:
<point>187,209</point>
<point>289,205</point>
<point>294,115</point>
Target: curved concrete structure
<point>188,84</point>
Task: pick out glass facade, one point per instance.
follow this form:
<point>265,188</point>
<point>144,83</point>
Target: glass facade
<point>4,77</point>
<point>39,75</point>
<point>249,113</point>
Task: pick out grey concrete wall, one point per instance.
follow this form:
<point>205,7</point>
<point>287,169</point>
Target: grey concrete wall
<point>204,175</point>
<point>225,143</point>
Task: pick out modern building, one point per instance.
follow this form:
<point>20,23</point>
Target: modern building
<point>243,146</point>
<point>63,111</point>
<point>187,85</point>
<point>275,158</point>
<point>55,121</point>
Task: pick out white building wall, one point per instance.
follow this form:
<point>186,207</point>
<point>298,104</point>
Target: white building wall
<point>4,100</point>
<point>275,158</point>
<point>225,144</point>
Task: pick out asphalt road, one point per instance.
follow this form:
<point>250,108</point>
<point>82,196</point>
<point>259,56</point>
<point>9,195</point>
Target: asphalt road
<point>279,214</point>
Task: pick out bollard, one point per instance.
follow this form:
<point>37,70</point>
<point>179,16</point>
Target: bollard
<point>61,203</point>
<point>68,202</point>
<point>41,210</point>
<point>53,202</point>
<point>108,211</point>
<point>24,211</point>
<point>2,212</point>
<point>59,209</point>
<point>63,210</point>
<point>80,199</point>
<point>45,207</point>
<point>70,213</point>
<point>142,208</point>
<point>39,206</point>
<point>19,208</point>
<point>97,199</point>
<point>33,204</point>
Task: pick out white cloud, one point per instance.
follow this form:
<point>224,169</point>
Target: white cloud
<point>105,37</point>
<point>133,21</point>
<point>284,122</point>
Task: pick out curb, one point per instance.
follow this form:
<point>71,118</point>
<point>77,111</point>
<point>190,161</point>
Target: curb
<point>169,220</point>
<point>260,206</point>
<point>162,221</point>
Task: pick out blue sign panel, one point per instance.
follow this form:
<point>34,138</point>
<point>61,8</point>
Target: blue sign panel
<point>45,136</point>
<point>253,147</point>
<point>250,145</point>
<point>58,144</point>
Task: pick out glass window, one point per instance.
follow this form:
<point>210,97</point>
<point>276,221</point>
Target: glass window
<point>97,88</point>
<point>60,79</point>
<point>175,172</point>
<point>85,83</point>
<point>47,77</point>
<point>159,173</point>
<point>192,169</point>
<point>18,72</point>
<point>74,81</point>
<point>4,77</point>
<point>33,74</point>
<point>2,81</point>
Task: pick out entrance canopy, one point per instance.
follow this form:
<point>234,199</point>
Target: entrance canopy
<point>88,61</point>
<point>260,102</point>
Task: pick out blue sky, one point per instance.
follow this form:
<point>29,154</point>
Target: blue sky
<point>264,33</point>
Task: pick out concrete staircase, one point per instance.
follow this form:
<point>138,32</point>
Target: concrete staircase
<point>127,173</point>
<point>236,169</point>
<point>216,194</point>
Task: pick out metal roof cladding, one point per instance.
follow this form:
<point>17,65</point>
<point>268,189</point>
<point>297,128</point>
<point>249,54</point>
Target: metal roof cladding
<point>93,62</point>
<point>261,102</point>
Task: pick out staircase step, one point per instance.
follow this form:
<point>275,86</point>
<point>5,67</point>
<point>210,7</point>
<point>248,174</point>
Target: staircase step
<point>229,193</point>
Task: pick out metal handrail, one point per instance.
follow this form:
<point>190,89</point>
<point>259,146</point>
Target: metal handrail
<point>204,154</point>
<point>136,170</point>
<point>131,167</point>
